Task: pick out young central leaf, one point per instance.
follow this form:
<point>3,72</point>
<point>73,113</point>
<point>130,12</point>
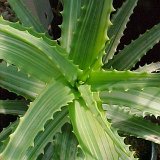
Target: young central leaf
<point>91,33</point>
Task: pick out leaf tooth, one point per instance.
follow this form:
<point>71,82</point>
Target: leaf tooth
<point>32,144</point>
<point>61,12</point>
<point>60,26</point>
<point>28,75</point>
<point>42,152</point>
<point>19,69</point>
<point>113,9</point>
<point>110,90</point>
<point>84,7</point>
<point>78,21</point>
<point>126,89</point>
<point>60,38</point>
<point>8,64</point>
<point>156,115</point>
<point>43,129</point>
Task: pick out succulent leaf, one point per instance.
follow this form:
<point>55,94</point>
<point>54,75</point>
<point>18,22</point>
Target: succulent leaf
<point>71,13</point>
<point>5,133</point>
<point>131,124</point>
<point>19,83</point>
<point>65,144</point>
<point>140,102</point>
<point>115,31</point>
<point>149,68</point>
<point>36,53</point>
<point>50,129</point>
<point>49,102</point>
<point>131,54</point>
<point>14,107</point>
<point>89,39</point>
<point>94,141</point>
<point>67,80</point>
<point>110,80</point>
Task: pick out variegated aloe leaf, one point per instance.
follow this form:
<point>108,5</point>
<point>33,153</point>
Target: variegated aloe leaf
<point>93,103</point>
<point>65,144</point>
<point>17,50</point>
<point>44,137</point>
<point>131,124</point>
<point>149,68</point>
<point>19,83</point>
<point>89,39</point>
<point>115,31</point>
<point>48,152</point>
<point>94,141</point>
<point>108,80</point>
<point>26,16</point>
<point>140,102</point>
<point>6,132</point>
<point>35,55</point>
<point>131,54</point>
<point>15,107</point>
<point>55,96</point>
<point>71,13</point>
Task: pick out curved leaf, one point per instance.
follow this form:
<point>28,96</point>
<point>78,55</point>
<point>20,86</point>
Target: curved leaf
<point>15,50</point>
<point>19,83</point>
<point>115,31</point>
<point>70,15</point>
<point>140,102</point>
<point>131,54</point>
<point>34,53</point>
<point>40,111</point>
<point>65,144</point>
<point>90,35</point>
<point>50,129</point>
<point>48,153</point>
<point>153,67</point>
<point>131,124</point>
<point>6,132</point>
<point>94,141</point>
<point>15,107</point>
<point>109,80</point>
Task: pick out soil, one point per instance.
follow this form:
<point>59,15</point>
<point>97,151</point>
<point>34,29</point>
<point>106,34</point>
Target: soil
<point>6,11</point>
<point>146,15</point>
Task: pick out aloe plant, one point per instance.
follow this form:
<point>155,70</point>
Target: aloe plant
<point>78,93</point>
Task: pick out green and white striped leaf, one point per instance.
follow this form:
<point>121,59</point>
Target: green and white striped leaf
<point>25,15</point>
<point>50,129</point>
<point>131,124</point>
<point>149,68</point>
<point>131,54</point>
<point>65,144</point>
<point>48,153</point>
<point>15,49</point>
<point>34,54</point>
<point>8,130</point>
<point>53,98</point>
<point>4,135</point>
<point>89,39</point>
<point>94,141</point>
<point>15,107</point>
<point>19,83</point>
<point>71,12</point>
<point>110,80</point>
<point>115,31</point>
<point>93,103</point>
<point>140,102</point>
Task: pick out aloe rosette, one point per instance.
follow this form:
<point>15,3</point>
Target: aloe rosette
<point>78,93</point>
